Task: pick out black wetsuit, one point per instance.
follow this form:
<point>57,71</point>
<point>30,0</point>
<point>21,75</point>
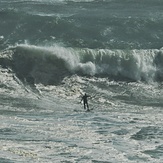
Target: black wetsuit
<point>85,101</point>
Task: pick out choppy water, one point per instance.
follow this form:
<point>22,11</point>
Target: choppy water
<point>54,51</point>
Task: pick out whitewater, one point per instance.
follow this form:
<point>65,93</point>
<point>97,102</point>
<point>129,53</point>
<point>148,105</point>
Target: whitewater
<point>52,52</point>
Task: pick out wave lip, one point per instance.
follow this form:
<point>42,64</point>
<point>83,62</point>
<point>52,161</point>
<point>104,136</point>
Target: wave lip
<point>44,65</point>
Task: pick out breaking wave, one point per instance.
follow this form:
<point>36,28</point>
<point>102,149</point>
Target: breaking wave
<point>49,65</point>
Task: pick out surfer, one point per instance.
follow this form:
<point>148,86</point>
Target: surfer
<point>85,101</point>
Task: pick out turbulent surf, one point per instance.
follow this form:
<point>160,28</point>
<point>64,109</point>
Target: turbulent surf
<point>54,51</point>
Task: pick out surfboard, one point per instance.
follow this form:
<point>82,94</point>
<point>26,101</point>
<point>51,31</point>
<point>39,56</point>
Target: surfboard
<point>88,110</point>
<point>77,110</point>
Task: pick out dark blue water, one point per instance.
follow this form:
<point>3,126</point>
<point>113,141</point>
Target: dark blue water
<point>114,24</point>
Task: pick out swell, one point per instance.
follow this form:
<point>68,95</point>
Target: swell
<point>90,26</point>
<point>49,65</point>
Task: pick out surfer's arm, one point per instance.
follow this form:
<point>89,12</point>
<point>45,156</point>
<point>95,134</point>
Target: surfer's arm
<point>81,100</point>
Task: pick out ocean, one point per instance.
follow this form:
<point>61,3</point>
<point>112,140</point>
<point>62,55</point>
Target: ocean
<point>52,52</point>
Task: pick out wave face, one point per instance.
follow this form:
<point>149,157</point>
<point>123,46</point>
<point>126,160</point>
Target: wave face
<point>49,65</point>
<point>90,24</point>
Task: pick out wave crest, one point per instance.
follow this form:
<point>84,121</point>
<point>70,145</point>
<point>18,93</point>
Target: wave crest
<point>49,65</point>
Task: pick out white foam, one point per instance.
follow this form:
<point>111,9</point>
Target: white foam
<point>132,64</point>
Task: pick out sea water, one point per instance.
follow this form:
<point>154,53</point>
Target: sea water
<point>54,51</point>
